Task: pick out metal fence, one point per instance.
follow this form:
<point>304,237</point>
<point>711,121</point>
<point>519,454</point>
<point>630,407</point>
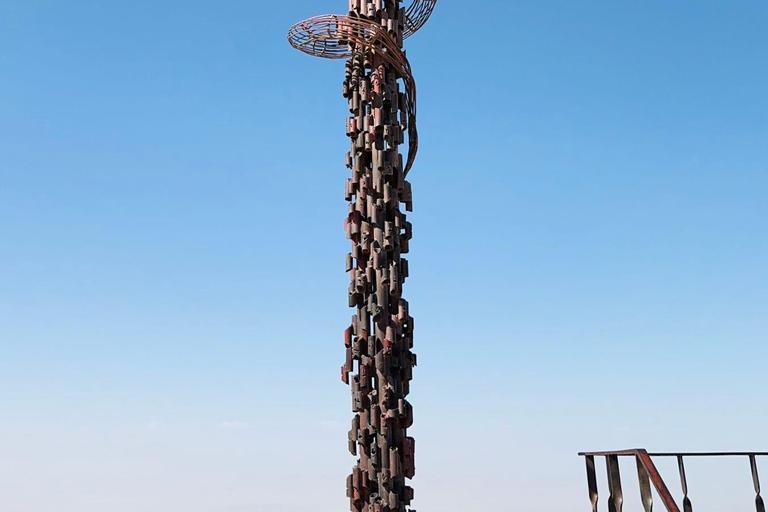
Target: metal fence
<point>648,475</point>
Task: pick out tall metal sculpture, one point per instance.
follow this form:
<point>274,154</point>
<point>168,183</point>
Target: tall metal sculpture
<point>379,364</point>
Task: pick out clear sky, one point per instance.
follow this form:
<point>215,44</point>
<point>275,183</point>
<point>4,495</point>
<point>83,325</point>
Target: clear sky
<point>589,267</point>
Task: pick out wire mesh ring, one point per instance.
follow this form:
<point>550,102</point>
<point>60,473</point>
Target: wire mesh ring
<point>417,15</point>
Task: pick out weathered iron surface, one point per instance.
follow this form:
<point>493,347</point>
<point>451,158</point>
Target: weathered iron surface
<point>381,93</point>
<point>648,475</point>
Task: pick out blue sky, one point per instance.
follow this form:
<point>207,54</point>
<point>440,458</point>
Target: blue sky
<point>588,268</point>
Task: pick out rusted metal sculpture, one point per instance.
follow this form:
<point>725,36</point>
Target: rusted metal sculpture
<point>381,92</point>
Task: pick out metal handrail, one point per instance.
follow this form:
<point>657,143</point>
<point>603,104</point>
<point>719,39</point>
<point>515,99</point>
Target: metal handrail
<point>648,474</point>
<point>629,453</point>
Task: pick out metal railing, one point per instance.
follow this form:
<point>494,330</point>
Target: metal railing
<point>648,476</point>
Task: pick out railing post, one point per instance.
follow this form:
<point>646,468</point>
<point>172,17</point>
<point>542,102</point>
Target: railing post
<point>616,500</point>
<point>756,480</point>
<point>592,481</point>
<point>645,486</point>
<point>687,505</point>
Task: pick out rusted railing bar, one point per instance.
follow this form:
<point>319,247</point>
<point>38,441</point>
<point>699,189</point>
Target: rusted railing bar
<point>711,454</point>
<point>759,503</point>
<point>616,499</point>
<point>687,505</point>
<point>592,482</point>
<point>645,486</point>
<point>618,453</point>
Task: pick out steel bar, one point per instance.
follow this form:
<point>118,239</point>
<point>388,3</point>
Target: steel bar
<point>381,94</point>
<point>645,486</point>
<point>710,454</point>
<point>616,499</point>
<point>759,503</point>
<point>687,455</point>
<point>687,506</point>
<point>592,482</point>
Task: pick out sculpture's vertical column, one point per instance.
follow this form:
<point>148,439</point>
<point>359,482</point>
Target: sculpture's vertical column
<point>380,363</point>
<point>381,91</point>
